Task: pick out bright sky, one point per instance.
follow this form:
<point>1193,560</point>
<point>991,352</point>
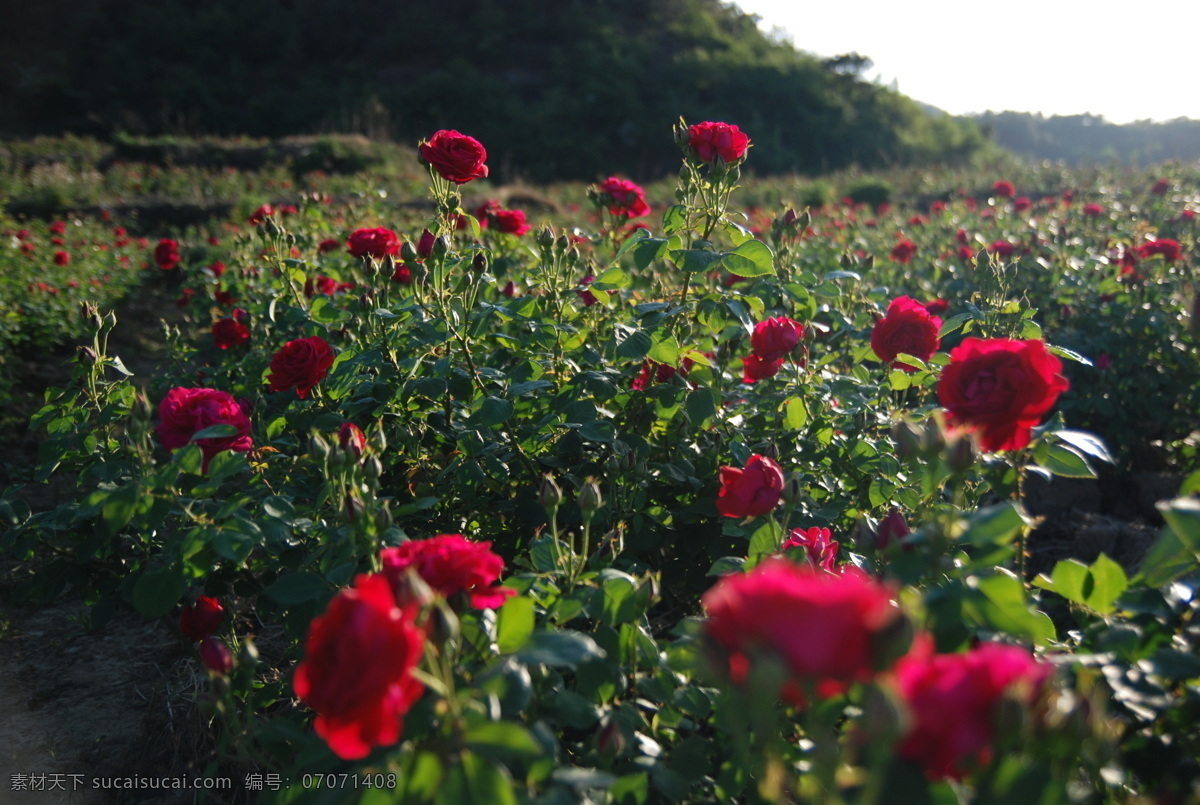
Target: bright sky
<point>1124,60</point>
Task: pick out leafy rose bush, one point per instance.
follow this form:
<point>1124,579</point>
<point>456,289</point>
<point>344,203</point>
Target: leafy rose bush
<point>514,543</point>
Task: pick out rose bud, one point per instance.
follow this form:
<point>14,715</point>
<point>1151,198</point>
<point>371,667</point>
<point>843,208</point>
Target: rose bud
<point>351,439</point>
<point>891,530</point>
<point>549,495</point>
<point>590,500</point>
<point>216,656</point>
<point>425,244</point>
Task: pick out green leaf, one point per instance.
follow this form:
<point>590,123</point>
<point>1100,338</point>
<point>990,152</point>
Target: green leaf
<point>612,279</point>
<point>598,430</point>
<point>1069,354</point>
<point>1108,583</point>
<point>119,506</point>
<point>296,588</point>
<point>634,239</point>
<point>559,648</point>
<point>1167,560</point>
<point>952,324</point>
<point>995,525</point>
<point>1183,518</point>
<point>634,345</point>
<point>664,348</point>
<point>502,740</point>
<point>157,591</point>
<point>751,259</point>
<point>222,431</point>
<point>514,624</point>
<point>674,219</point>
<point>1006,607</point>
<point>766,539</point>
<point>494,411</point>
<point>1087,443</point>
<point>1062,459</point>
<point>695,261</point>
<point>1070,578</point>
<point>794,413</point>
<point>700,405</point>
<point>647,250</point>
<point>476,782</point>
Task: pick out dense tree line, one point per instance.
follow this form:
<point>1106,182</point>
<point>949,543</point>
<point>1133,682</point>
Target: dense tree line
<point>1090,138</point>
<point>566,90</point>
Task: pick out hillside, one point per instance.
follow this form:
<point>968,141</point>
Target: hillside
<point>578,91</point>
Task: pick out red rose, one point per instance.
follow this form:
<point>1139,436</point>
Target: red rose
<point>58,227</point>
<point>1021,204</point>
<point>229,333</point>
<point>402,275</point>
<point>377,242</point>
<point>623,197</point>
<point>937,306</point>
<point>61,258</point>
<point>511,222</point>
<point>185,412</point>
<point>751,491</point>
<point>825,627</point>
<point>954,699</point>
<point>451,564</point>
<point>776,338</point>
<point>201,619</point>
<point>1167,248</point>
<point>1161,187</point>
<point>710,140</point>
<point>1093,210</point>
<point>301,364</point>
<point>456,157</point>
<point>903,251</point>
<point>908,327</point>
<point>351,439</point>
<point>216,656</point>
<point>820,548</point>
<point>357,669</point>
<point>892,529</point>
<point>755,368</point>
<point>328,245</point>
<point>261,214</point>
<point>1004,188</point>
<point>166,254</point>
<point>1000,388</point>
<point>217,268</point>
<point>1002,248</point>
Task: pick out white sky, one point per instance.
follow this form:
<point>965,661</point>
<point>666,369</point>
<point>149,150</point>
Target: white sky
<point>1124,60</point>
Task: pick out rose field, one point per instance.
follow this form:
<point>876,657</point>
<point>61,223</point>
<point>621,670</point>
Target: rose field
<point>381,482</point>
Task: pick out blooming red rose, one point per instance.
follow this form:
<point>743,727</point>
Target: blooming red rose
<point>483,214</point>
<point>230,332</point>
<point>710,140</point>
<point>1004,188</point>
<point>776,338</point>
<point>351,439</point>
<point>58,227</point>
<point>1002,248</point>
<point>1161,187</point>
<point>376,242</point>
<point>1021,204</point>
<point>216,656</point>
<point>328,245</point>
<point>908,327</point>
<point>456,157</point>
<point>903,251</point>
<point>261,214</point>
<point>301,364</point>
<point>755,368</point>
<point>892,529</point>
<point>1168,249</point>
<point>511,222</point>
<point>185,412</point>
<point>61,258</point>
<point>357,669</point>
<point>820,548</point>
<point>451,564</point>
<point>1093,210</point>
<point>402,275</point>
<point>201,619</point>
<point>827,628</point>
<point>937,306</point>
<point>751,491</point>
<point>1000,388</point>
<point>216,268</point>
<point>166,254</point>
<point>953,702</point>
<point>661,372</point>
<point>623,197</point>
